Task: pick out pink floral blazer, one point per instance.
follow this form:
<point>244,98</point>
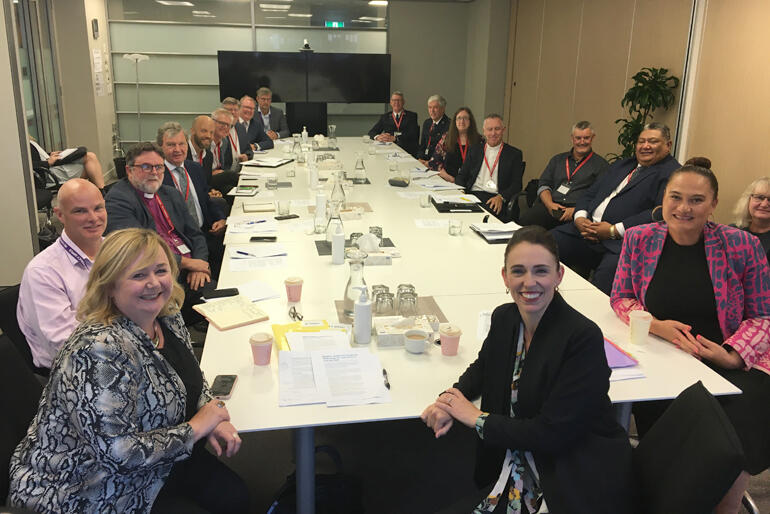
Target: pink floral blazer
<point>739,273</point>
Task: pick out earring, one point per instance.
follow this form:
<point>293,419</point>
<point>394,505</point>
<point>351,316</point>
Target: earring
<point>507,291</point>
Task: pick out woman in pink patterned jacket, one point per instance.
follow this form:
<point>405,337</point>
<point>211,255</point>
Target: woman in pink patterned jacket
<point>708,289</point>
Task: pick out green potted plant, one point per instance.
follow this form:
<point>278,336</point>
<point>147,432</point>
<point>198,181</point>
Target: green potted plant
<point>653,89</point>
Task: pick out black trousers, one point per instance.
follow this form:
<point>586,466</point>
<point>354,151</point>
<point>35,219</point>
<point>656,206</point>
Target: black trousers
<point>585,256</point>
<point>202,484</point>
<point>539,215</point>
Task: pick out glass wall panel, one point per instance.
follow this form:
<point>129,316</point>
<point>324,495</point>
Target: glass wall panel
<point>345,41</point>
<point>191,69</point>
<point>213,11</point>
<point>153,98</point>
<point>187,39</point>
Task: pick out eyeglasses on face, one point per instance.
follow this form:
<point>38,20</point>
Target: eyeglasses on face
<point>157,168</point>
<point>759,198</point>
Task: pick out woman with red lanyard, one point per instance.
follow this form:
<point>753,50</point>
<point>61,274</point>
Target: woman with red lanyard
<point>453,147</point>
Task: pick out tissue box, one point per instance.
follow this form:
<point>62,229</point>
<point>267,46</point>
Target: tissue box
<point>389,335</point>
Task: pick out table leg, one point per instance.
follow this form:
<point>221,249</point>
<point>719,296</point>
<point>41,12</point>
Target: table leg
<point>623,414</point>
<point>304,452</point>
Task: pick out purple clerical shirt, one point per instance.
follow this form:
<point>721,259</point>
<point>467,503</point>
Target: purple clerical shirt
<point>163,224</point>
<point>53,284</point>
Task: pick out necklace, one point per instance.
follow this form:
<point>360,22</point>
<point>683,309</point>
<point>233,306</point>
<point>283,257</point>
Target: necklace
<point>156,339</point>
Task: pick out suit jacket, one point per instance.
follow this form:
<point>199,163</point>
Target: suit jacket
<point>255,134</point>
<point>410,130</point>
<point>563,414</point>
<point>206,165</point>
<point>278,121</point>
<point>738,269</point>
<point>509,173</point>
<point>125,209</point>
<point>633,205</point>
<point>211,211</point>
<point>243,140</point>
<point>429,139</point>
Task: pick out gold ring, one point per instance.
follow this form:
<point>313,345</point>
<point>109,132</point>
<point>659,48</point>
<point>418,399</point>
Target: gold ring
<point>220,404</point>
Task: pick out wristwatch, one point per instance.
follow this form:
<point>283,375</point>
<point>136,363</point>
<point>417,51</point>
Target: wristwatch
<point>613,232</point>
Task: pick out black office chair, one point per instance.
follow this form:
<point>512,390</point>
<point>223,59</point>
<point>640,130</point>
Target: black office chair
<point>19,397</point>
<point>513,208</point>
<point>689,458</point>
<point>9,297</point>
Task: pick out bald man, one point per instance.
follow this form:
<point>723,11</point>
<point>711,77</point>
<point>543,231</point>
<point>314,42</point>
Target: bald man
<point>199,145</point>
<point>54,281</point>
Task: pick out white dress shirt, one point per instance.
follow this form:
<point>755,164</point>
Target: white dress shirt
<point>486,181</point>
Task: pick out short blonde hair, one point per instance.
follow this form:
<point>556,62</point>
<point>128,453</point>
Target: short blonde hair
<point>119,251</point>
<point>741,211</point>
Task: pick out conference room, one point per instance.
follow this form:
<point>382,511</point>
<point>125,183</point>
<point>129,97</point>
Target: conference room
<point>527,61</point>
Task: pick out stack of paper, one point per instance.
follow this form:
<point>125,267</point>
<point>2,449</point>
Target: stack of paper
<point>316,341</point>
<point>492,232</point>
<point>437,183</point>
<point>335,377</point>
<point>257,256</point>
<point>231,312</point>
<point>624,366</point>
<point>454,198</point>
<point>251,224</point>
<point>266,162</point>
<point>256,291</point>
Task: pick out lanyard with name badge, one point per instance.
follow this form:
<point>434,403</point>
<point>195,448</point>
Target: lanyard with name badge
<point>397,122</point>
<point>564,188</point>
<point>494,165</point>
<point>80,260</point>
<point>463,149</point>
<point>183,249</point>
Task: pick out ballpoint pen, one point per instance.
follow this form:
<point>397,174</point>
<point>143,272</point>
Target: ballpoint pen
<point>255,222</point>
<point>385,378</point>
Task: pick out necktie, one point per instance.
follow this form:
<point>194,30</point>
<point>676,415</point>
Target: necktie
<point>189,199</point>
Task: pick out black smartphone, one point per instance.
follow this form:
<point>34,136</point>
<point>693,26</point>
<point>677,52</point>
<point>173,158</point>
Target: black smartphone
<point>221,293</point>
<point>263,239</point>
<point>556,213</point>
<point>223,385</point>
<point>287,217</point>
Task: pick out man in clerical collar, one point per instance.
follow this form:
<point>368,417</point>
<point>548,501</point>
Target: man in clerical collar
<point>398,126</point>
<point>624,196</point>
<point>493,171</point>
<point>141,200</point>
<point>433,128</point>
<point>54,280</point>
<point>566,177</point>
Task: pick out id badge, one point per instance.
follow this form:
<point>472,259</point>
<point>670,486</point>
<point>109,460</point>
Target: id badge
<point>563,189</point>
<point>183,248</point>
<point>491,186</point>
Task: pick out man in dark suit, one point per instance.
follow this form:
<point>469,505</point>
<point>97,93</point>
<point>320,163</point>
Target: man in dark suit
<point>621,198</point>
<point>493,170</point>
<point>433,128</point>
<point>255,136</point>
<point>398,126</point>
<point>272,118</point>
<point>199,143</point>
<point>237,135</point>
<point>142,201</point>
<point>187,178</point>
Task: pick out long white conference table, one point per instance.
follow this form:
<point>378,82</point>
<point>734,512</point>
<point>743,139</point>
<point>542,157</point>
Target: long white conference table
<point>462,273</point>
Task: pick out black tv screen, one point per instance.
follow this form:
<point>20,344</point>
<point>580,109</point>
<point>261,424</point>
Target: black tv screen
<point>349,78</point>
<point>306,77</point>
<point>242,73</point>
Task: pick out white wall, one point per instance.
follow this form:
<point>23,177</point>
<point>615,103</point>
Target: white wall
<point>16,211</point>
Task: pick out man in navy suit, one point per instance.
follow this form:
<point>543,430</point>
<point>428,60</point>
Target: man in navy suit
<point>272,118</point>
<point>255,136</point>
<point>621,198</point>
<point>398,126</point>
<point>187,178</point>
<point>433,128</point>
<point>237,137</point>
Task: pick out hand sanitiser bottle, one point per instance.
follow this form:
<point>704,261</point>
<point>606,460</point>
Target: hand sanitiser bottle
<point>362,318</point>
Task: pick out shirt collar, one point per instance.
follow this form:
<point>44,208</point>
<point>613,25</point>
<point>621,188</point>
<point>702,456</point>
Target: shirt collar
<point>172,166</point>
<point>77,250</point>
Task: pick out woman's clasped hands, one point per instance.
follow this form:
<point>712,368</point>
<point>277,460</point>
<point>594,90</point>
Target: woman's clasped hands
<point>450,405</point>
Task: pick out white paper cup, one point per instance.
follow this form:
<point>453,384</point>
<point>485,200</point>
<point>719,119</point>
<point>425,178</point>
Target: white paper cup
<point>450,339</point>
<point>261,347</point>
<point>293,289</point>
<point>639,324</point>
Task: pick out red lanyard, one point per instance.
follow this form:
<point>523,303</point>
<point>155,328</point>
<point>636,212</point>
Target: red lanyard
<point>494,165</point>
<point>628,179</point>
<point>464,149</point>
<point>566,166</point>
<point>178,188</point>
<point>235,148</point>
<point>400,119</point>
<point>219,153</point>
<point>165,214</point>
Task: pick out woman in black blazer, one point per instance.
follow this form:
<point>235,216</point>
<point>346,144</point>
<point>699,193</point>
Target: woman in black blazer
<point>543,378</point>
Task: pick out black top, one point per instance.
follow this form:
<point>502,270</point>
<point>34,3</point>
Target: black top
<point>185,365</point>
<point>407,125</point>
<point>589,168</point>
<point>681,289</point>
<point>430,135</point>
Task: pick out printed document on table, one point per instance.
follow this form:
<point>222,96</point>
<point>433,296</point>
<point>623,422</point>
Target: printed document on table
<point>431,223</point>
<point>352,377</point>
<point>257,264</point>
<point>454,198</point>
<point>619,374</point>
<point>296,381</point>
<point>257,290</point>
<point>256,251</point>
<point>436,183</point>
<point>317,341</point>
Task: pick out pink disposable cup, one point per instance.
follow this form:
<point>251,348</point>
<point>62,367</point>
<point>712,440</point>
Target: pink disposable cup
<point>261,347</point>
<point>293,288</point>
<point>450,339</point>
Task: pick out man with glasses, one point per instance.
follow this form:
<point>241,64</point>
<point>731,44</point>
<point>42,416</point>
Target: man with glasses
<point>141,200</point>
<point>198,144</point>
<point>433,128</point>
<point>237,135</point>
<point>255,136</point>
<point>565,179</point>
<point>272,118</point>
<point>398,126</point>
<point>623,197</point>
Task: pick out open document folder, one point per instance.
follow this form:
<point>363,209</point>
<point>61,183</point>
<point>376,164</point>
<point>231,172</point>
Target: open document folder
<point>495,232</point>
<point>351,376</point>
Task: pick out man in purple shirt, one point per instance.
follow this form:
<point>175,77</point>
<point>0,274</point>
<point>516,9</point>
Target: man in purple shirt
<point>54,281</point>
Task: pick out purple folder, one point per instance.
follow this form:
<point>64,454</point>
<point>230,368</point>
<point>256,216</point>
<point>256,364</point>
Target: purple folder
<point>616,357</point>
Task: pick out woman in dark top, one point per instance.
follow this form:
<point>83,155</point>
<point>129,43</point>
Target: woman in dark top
<point>126,413</point>
<point>708,289</point>
<point>546,428</point>
<point>752,211</point>
<point>453,146</point>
